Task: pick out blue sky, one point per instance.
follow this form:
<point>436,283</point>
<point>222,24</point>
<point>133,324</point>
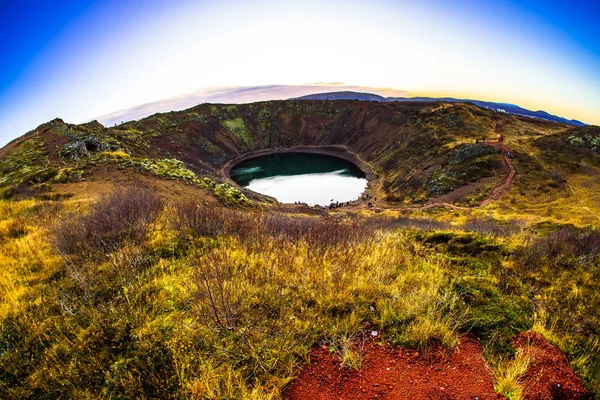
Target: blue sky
<point>79,60</point>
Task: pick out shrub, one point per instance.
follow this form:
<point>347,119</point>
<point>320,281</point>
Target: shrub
<point>191,220</point>
<point>249,312</point>
<point>218,299</point>
<point>123,215</point>
<point>16,229</point>
<point>406,222</point>
<point>316,232</point>
<point>567,248</point>
<point>490,227</point>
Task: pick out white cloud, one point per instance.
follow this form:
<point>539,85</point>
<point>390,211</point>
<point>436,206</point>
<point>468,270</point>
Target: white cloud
<point>235,95</point>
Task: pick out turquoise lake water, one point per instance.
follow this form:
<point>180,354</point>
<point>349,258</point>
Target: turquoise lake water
<point>301,177</point>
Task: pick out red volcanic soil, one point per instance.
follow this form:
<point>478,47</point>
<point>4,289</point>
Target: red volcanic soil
<point>388,372</point>
<point>549,376</point>
<point>395,373</point>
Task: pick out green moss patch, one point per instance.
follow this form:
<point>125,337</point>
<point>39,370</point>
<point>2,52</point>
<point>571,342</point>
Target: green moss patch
<point>239,129</point>
<point>27,163</point>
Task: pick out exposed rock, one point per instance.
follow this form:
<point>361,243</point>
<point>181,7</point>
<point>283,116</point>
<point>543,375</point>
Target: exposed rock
<point>470,151</point>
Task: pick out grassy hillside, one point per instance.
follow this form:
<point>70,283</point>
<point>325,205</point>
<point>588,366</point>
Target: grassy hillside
<point>132,267</point>
<point>133,297</point>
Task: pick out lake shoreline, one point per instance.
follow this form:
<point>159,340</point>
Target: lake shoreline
<point>340,153</point>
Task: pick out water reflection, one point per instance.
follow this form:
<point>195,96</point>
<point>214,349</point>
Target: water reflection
<point>298,177</point>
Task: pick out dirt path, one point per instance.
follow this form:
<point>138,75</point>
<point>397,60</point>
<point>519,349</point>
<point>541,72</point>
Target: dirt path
<point>499,190</point>
<point>502,188</point>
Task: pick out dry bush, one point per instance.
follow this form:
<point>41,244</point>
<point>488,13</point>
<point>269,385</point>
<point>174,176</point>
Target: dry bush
<point>16,229</point>
<point>316,232</point>
<point>567,248</point>
<point>248,309</point>
<point>490,227</point>
<point>217,298</point>
<point>123,215</point>
<point>191,220</point>
<point>406,222</point>
<point>244,226</point>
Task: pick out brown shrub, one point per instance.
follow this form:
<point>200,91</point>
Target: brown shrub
<point>491,227</point>
<point>405,222</point>
<point>567,248</point>
<point>191,220</point>
<point>16,229</point>
<point>317,232</point>
<point>123,215</point>
<point>217,298</point>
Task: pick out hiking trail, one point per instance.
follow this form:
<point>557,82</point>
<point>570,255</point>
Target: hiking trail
<point>501,188</point>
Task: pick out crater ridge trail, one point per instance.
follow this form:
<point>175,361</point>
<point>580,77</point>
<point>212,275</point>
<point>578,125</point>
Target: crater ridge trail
<point>500,189</point>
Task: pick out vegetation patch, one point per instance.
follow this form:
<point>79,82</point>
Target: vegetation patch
<point>69,174</point>
<point>494,316</point>
<point>27,163</point>
<point>115,218</point>
<point>238,128</point>
<point>166,168</point>
<point>464,244</point>
<point>467,163</point>
<point>175,169</point>
<point>585,138</point>
<point>237,298</point>
<point>470,151</point>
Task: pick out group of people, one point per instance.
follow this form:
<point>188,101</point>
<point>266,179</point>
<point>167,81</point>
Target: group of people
<point>370,204</point>
<point>337,204</point>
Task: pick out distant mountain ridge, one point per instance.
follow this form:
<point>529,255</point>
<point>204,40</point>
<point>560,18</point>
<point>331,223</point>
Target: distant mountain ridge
<point>501,107</point>
<point>345,95</point>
